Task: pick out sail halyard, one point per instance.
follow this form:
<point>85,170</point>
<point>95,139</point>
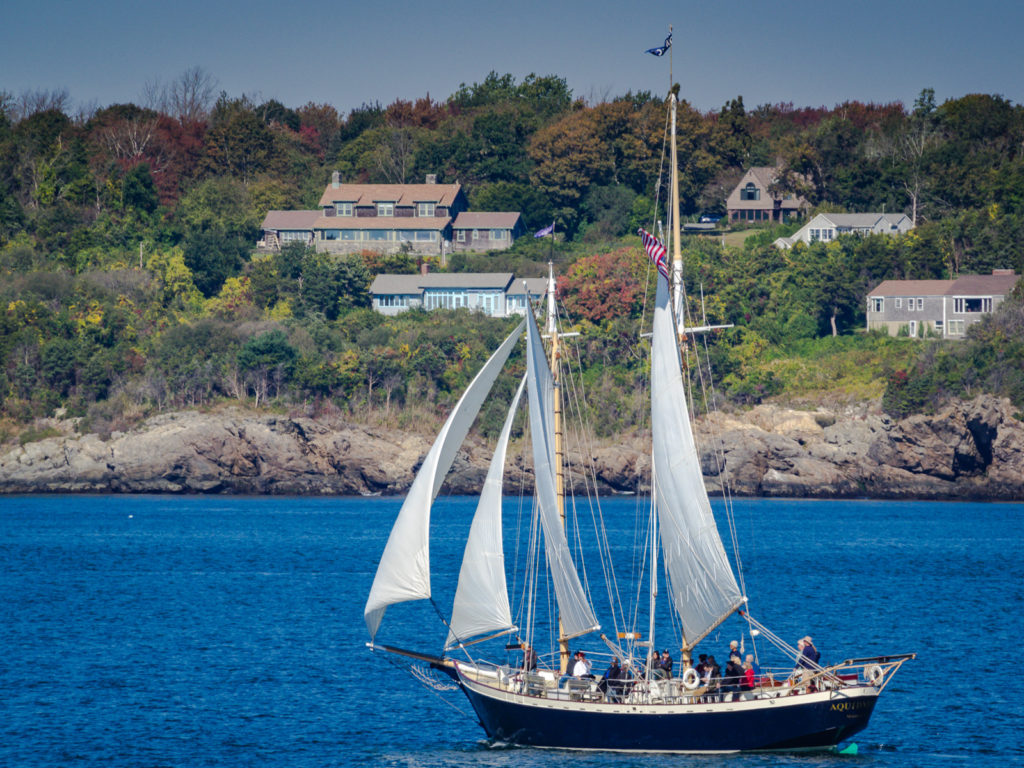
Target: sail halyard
<point>481,598</point>
<point>576,615</point>
<point>403,573</point>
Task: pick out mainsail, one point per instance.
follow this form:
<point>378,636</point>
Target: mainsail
<point>704,589</point>
<point>481,598</point>
<point>576,614</point>
<point>404,570</point>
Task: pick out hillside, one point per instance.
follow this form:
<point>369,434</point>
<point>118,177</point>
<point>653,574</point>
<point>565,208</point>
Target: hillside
<point>130,288</point>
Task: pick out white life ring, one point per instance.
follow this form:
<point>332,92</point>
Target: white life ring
<point>691,680</point>
<point>875,674</point>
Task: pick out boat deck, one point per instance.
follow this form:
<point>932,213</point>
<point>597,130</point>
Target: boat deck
<point>774,684</point>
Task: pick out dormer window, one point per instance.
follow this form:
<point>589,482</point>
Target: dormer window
<point>425,210</point>
<point>385,209</point>
<point>343,209</point>
<point>750,192</point>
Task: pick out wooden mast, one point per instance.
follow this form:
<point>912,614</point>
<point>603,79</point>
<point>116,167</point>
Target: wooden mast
<point>552,329</point>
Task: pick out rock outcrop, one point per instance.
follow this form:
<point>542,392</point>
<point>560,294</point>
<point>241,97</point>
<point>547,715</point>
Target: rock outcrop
<point>969,450</point>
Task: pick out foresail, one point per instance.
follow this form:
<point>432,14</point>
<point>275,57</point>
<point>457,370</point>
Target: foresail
<point>404,570</point>
<point>481,598</point>
<point>703,586</point>
<point>576,614</point>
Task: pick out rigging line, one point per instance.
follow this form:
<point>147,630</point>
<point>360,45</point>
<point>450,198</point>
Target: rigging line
<point>726,497</point>
<point>723,470</point>
<point>409,667</point>
<point>578,400</point>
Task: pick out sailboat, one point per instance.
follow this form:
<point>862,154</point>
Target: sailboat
<point>530,700</point>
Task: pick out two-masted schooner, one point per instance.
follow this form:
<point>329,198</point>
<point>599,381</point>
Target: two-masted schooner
<point>801,706</point>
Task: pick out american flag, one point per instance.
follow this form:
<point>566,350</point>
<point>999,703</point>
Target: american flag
<point>655,250</point>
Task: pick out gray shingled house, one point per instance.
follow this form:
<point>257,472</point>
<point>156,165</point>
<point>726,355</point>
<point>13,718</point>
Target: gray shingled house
<point>944,308</point>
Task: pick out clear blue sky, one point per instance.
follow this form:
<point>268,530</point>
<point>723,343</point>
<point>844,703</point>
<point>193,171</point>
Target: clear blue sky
<point>345,53</point>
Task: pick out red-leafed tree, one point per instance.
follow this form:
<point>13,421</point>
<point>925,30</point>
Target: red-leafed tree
<point>608,286</point>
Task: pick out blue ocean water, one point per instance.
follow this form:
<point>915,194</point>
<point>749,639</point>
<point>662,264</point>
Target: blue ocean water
<point>225,631</point>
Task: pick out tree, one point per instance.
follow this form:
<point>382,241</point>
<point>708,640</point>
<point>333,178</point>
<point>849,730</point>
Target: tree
<point>238,143</point>
<point>265,359</point>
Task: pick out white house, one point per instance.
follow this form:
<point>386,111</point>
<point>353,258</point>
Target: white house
<point>828,226</point>
<point>497,294</point>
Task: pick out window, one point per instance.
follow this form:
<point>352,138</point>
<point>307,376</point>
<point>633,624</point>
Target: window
<point>750,192</point>
<point>381,234</point>
<point>899,302</point>
<point>499,234</point>
<point>343,209</point>
<point>385,209</point>
<point>461,235</point>
<point>815,235</point>
<point>476,235</point>
<point>964,306</point>
<point>425,210</point>
<point>351,234</point>
<point>911,306</point>
<point>920,304</point>
<point>290,235</point>
<point>876,304</point>
<point>426,235</point>
<point>329,234</point>
<point>912,329</point>
<point>956,328</point>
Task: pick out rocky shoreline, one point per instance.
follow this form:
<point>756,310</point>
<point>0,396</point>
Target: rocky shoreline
<point>969,450</point>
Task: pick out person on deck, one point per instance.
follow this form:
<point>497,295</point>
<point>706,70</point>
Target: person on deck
<point>755,671</point>
<point>702,665</point>
<point>734,676</point>
<point>810,652</point>
<point>666,663</point>
<point>529,658</point>
<point>809,655</point>
<point>582,666</point>
<point>611,684</point>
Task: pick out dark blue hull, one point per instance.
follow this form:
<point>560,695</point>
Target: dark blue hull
<point>819,722</point>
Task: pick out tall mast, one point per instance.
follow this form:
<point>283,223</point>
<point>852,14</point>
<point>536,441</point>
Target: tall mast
<point>552,329</point>
<point>677,251</point>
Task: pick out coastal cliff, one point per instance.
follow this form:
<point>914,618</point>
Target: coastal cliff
<point>969,450</point>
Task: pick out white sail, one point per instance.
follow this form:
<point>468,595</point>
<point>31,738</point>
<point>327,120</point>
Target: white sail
<point>404,570</point>
<point>481,598</point>
<point>703,586</point>
<point>576,614</point>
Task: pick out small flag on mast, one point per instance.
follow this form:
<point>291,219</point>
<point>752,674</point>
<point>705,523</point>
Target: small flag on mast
<point>655,250</point>
<point>661,50</point>
<point>546,231</point>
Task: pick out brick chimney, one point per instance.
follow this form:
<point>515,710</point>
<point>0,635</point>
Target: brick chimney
<point>431,178</point>
<point>424,268</point>
<point>335,179</point>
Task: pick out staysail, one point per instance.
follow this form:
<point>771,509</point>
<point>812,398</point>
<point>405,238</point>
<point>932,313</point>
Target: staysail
<point>704,589</point>
<point>576,614</point>
<point>481,598</point>
<point>404,570</point>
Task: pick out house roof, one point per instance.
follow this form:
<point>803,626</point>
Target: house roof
<point>279,220</point>
<point>965,285</point>
<point>408,284</point>
<point>400,194</point>
<point>380,222</point>
<point>763,177</point>
<point>860,220</point>
<point>912,288</point>
<point>486,220</point>
<point>983,285</point>
<point>537,286</point>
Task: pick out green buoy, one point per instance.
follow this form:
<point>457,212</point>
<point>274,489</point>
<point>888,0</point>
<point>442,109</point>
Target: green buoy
<point>850,749</point>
